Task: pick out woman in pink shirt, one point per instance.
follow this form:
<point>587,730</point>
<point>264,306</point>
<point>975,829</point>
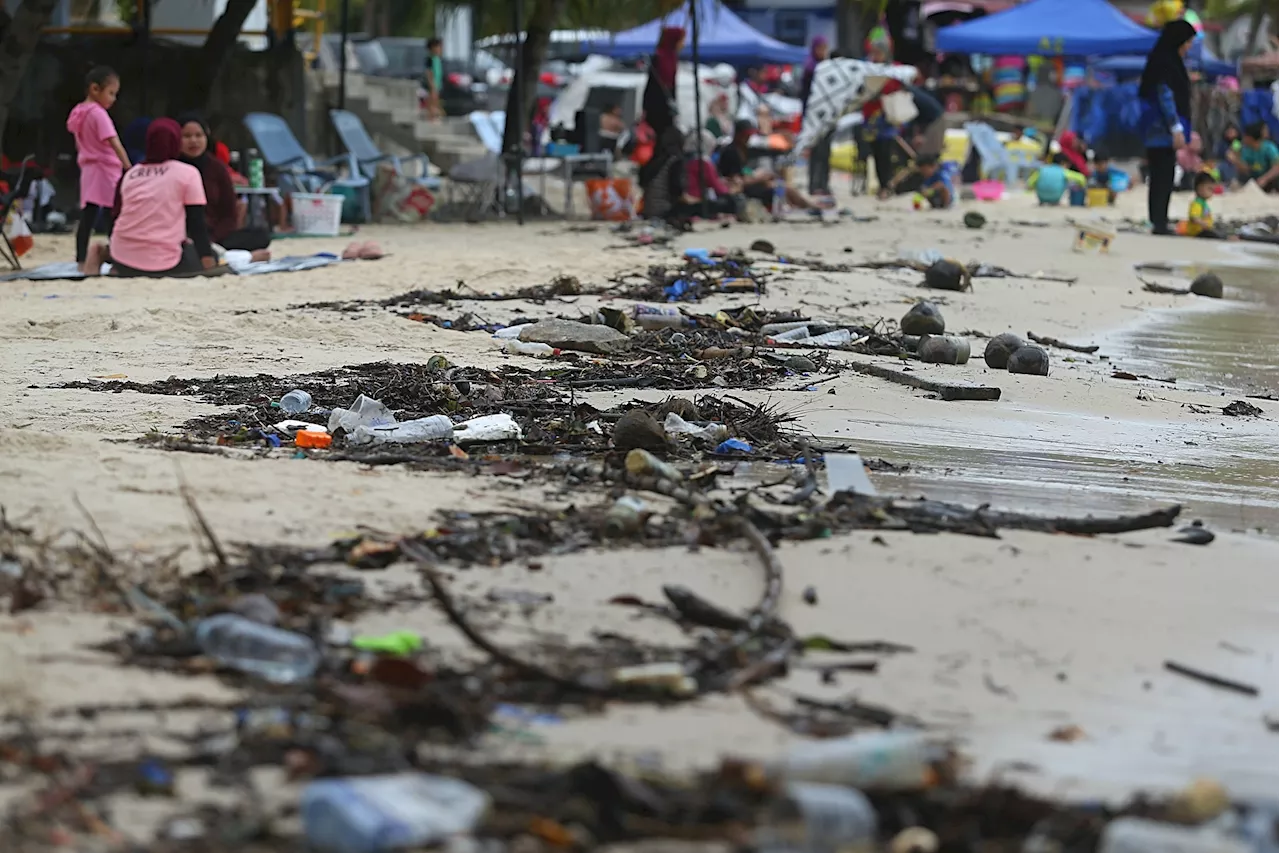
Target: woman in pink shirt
<point>100,155</point>
<point>160,203</point>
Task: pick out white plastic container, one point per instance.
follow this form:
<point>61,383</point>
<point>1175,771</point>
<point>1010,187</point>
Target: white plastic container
<point>517,347</point>
<point>1138,835</point>
<point>320,215</point>
<point>501,427</point>
<point>812,818</point>
<point>434,428</point>
<point>886,761</point>
<point>371,814</point>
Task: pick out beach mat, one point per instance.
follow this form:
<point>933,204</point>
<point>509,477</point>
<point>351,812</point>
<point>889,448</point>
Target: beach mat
<point>70,271</point>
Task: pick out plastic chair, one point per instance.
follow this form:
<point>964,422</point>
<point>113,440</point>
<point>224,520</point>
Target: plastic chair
<point>7,253</point>
<point>995,157</point>
<point>361,146</point>
<point>297,170</point>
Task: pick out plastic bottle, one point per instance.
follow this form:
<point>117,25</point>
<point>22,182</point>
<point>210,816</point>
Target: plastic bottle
<point>676,425</point>
<point>834,338</point>
<point>626,515</point>
<point>273,654</point>
<point>434,428</point>
<point>370,814</point>
<point>772,330</point>
<point>666,677</point>
<point>257,172</point>
<point>643,462</point>
<point>779,196</point>
<point>1138,835</point>
<point>295,402</point>
<point>517,347</point>
<point>658,317</point>
<point>813,818</point>
<point>499,427</point>
<point>795,333</point>
<point>510,332</point>
<point>889,760</point>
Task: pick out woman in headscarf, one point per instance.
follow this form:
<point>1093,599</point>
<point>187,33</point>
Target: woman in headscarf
<point>1165,92</point>
<point>224,214</point>
<point>160,203</point>
<point>661,177</point>
<point>820,156</point>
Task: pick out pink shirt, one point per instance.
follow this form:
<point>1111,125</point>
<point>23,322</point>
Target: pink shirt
<point>694,180</point>
<point>99,165</point>
<point>152,224</point>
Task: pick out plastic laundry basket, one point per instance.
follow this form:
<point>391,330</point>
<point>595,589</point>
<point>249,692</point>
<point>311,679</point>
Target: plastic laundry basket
<point>320,215</point>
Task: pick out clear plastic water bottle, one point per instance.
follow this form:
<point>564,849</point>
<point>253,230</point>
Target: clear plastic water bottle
<point>434,428</point>
<point>275,655</point>
<point>779,196</point>
<point>889,760</point>
<point>813,818</point>
<point>295,402</point>
<point>370,814</point>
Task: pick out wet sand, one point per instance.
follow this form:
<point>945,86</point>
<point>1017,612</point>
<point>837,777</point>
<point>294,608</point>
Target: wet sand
<point>1068,630</point>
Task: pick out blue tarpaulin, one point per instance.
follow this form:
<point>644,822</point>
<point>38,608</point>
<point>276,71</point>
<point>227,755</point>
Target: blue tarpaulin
<point>722,37</point>
<point>1050,28</point>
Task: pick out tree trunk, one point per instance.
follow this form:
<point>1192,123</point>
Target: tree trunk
<point>192,91</point>
<point>1255,25</point>
<point>538,24</point>
<point>849,36</point>
<point>17,47</point>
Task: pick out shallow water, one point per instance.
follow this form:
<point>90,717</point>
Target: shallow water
<point>1123,466</point>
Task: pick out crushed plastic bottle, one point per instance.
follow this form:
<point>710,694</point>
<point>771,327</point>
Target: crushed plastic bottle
<point>434,428</point>
<point>812,818</point>
<point>888,760</point>
<point>295,402</point>
<point>371,814</point>
<point>654,317</point>
<point>1139,835</point>
<point>365,411</point>
<point>537,350</point>
<point>275,655</point>
<point>676,425</point>
<point>834,338</point>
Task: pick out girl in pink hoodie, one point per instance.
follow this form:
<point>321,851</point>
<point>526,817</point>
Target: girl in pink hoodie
<point>101,156</point>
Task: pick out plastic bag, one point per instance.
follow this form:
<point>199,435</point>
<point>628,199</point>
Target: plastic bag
<point>19,233</point>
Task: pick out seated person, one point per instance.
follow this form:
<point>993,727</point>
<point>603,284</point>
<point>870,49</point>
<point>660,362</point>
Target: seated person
<point>224,214</point>
<point>1199,221</point>
<point>1257,158</point>
<point>1050,182</point>
<point>1105,176</point>
<point>1227,144</point>
<point>159,204</point>
<point>718,120</point>
<point>612,126</point>
<point>759,183</point>
<point>929,179</point>
<point>773,138</point>
<point>700,173</point>
<point>1189,160</point>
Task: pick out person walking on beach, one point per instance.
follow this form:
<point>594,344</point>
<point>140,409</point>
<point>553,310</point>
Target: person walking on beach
<point>433,77</point>
<point>1165,91</point>
<point>820,156</point>
<point>101,157</point>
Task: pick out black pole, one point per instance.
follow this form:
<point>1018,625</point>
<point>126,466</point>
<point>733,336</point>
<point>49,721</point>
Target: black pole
<point>144,49</point>
<point>518,153</point>
<point>342,58</point>
<point>697,103</point>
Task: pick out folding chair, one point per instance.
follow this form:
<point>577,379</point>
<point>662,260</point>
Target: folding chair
<point>367,155</point>
<point>479,181</point>
<point>996,159</point>
<point>297,170</point>
<point>7,254</point>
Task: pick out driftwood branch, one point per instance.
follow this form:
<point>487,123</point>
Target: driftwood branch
<point>1054,342</point>
<point>945,390</point>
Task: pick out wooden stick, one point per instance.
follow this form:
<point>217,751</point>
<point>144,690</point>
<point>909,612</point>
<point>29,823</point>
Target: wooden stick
<point>945,390</point>
<point>1211,679</point>
<point>1054,342</point>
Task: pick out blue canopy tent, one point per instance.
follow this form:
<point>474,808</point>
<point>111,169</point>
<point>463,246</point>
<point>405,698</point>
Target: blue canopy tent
<point>1198,59</point>
<point>1050,28</point>
<point>722,37</point>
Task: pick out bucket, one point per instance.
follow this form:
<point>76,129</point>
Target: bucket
<point>320,215</point>
<point>1093,238</point>
<point>610,199</point>
<point>988,190</point>
<point>1099,197</point>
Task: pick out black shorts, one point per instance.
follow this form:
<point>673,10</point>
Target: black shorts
<point>188,264</point>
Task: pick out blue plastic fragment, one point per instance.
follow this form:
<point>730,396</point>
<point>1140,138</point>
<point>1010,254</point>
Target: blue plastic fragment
<point>731,445</point>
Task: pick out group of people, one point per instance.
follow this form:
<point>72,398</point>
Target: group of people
<point>167,214</point>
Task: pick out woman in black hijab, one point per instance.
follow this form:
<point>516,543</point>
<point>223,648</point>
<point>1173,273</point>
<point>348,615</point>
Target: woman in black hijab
<point>224,213</point>
<point>1165,91</point>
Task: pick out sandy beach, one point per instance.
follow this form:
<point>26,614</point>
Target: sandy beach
<point>1015,636</point>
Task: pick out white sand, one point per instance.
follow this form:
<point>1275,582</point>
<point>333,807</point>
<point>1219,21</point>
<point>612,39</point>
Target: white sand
<point>1015,636</point>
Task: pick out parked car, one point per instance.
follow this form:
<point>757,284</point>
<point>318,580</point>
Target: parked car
<point>406,58</point>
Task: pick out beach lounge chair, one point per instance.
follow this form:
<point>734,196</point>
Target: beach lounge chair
<point>996,159</point>
<point>297,170</point>
<point>361,146</point>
